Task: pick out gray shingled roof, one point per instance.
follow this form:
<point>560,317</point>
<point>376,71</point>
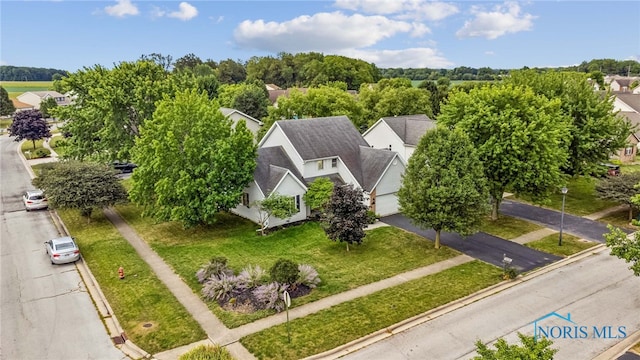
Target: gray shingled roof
<point>272,165</point>
<point>634,119</point>
<point>633,100</point>
<point>374,162</point>
<point>410,128</point>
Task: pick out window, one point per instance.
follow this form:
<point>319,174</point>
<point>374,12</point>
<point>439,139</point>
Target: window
<point>334,163</point>
<point>628,151</point>
<point>320,164</point>
<point>245,199</point>
<point>297,202</point>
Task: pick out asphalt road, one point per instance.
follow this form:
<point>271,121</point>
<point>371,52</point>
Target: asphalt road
<point>485,247</point>
<point>596,291</point>
<point>575,225</point>
<point>46,312</point>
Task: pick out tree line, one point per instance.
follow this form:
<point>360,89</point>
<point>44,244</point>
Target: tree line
<point>23,73</point>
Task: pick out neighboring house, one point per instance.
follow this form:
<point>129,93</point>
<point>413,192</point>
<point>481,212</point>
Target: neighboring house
<point>399,133</point>
<point>276,93</point>
<point>628,105</point>
<point>295,152</point>
<point>253,124</point>
<point>272,87</point>
<point>620,85</point>
<point>34,98</point>
<point>20,106</point>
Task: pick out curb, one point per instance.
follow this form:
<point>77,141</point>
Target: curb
<point>382,334</point>
<point>620,348</point>
<point>111,323</point>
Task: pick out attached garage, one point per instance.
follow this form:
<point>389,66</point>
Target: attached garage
<point>386,204</point>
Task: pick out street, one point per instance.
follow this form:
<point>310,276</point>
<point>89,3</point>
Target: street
<point>599,292</point>
<point>46,310</point>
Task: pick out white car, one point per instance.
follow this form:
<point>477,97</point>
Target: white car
<point>62,250</point>
<point>34,200</point>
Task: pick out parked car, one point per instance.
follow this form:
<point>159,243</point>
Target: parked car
<point>610,169</point>
<point>34,200</point>
<point>124,167</point>
<point>62,250</point>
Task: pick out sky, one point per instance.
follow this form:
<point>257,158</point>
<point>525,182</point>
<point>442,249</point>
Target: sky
<point>71,35</point>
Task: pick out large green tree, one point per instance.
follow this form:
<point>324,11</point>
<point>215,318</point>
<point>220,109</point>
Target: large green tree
<point>394,97</point>
<point>110,106</point>
<point>81,185</point>
<point>596,132</point>
<point>6,105</point>
<point>29,125</point>
<point>444,187</point>
<point>620,189</point>
<point>625,247</point>
<point>250,98</point>
<point>520,138</point>
<point>47,107</point>
<point>319,193</point>
<point>192,163</point>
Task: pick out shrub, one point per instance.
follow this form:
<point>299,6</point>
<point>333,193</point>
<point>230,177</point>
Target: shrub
<point>284,271</point>
<point>372,217</point>
<point>41,153</point>
<point>308,276</point>
<point>252,276</point>
<point>207,352</point>
<point>271,295</point>
<point>222,287</point>
<point>215,268</point>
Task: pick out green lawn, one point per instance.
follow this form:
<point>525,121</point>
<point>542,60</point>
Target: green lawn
<point>570,244</point>
<point>138,299</point>
<point>351,320</point>
<point>15,88</point>
<point>57,143</point>
<point>5,123</point>
<point>581,197</point>
<point>508,227</point>
<point>385,252</point>
<point>620,219</point>
<point>628,168</point>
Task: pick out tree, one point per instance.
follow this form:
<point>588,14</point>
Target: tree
<point>596,131</point>
<point>280,206</point>
<point>394,97</point>
<point>252,99</point>
<point>620,189</point>
<point>231,72</point>
<point>444,186</point>
<point>519,136</point>
<point>47,107</point>
<point>81,185</point>
<point>192,163</point>
<point>189,61</point>
<point>531,348</point>
<point>346,215</point>
<point>625,247</point>
<point>319,193</point>
<point>29,125</point>
<point>6,105</point>
<point>165,61</point>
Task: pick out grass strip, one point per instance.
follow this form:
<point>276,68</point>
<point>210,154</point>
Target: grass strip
<point>508,227</point>
<point>570,244</point>
<point>354,319</point>
<point>139,299</point>
<point>385,252</point>
<point>620,219</point>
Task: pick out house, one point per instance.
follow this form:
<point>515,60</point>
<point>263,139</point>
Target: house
<point>628,105</point>
<point>20,106</point>
<point>34,98</point>
<point>295,152</point>
<point>252,123</point>
<point>399,133</point>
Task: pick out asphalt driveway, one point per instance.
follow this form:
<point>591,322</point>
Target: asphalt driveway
<point>574,225</point>
<point>482,246</point>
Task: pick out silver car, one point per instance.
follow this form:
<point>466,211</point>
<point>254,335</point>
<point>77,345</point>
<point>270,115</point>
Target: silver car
<point>62,250</point>
<point>34,200</point>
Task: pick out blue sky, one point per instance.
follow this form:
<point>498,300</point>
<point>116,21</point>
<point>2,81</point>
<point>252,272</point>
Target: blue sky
<point>70,35</point>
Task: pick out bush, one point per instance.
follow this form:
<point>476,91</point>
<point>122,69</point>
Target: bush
<point>271,295</point>
<point>307,276</point>
<point>207,352</point>
<point>40,153</point>
<point>222,287</point>
<point>284,271</point>
<point>252,276</point>
<point>372,217</point>
<point>215,268</point>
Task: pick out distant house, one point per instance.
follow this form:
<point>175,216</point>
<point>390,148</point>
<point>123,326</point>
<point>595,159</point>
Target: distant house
<point>293,153</point>
<point>20,106</point>
<point>252,123</point>
<point>628,105</point>
<point>399,133</point>
<point>34,98</point>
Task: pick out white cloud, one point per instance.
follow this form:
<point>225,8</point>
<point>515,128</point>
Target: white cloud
<point>404,9</point>
<point>321,32</point>
<point>122,9</point>
<point>489,52</point>
<point>217,20</point>
<point>504,19</point>
<point>404,58</point>
<point>156,12</point>
<point>186,12</point>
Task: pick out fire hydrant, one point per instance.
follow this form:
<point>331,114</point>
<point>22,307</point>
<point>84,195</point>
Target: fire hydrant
<point>121,272</point>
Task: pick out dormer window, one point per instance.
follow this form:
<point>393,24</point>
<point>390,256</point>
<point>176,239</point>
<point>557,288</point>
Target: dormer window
<point>334,163</point>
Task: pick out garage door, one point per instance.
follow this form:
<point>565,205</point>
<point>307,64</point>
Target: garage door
<point>387,204</point>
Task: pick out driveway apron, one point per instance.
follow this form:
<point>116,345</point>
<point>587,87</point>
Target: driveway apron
<point>574,225</point>
<point>482,246</point>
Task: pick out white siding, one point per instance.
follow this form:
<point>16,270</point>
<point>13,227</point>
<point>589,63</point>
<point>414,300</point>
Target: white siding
<point>310,170</point>
<point>249,212</point>
<point>391,179</point>
<point>277,138</point>
<point>408,151</point>
<point>290,187</point>
<point>30,98</point>
<point>253,126</point>
<point>617,105</point>
<point>380,136</point>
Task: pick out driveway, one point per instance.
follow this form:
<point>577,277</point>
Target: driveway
<point>482,246</point>
<point>575,225</point>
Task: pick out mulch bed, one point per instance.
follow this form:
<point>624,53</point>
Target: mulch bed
<point>245,302</point>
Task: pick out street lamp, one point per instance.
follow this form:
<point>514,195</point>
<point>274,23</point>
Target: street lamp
<point>564,194</point>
